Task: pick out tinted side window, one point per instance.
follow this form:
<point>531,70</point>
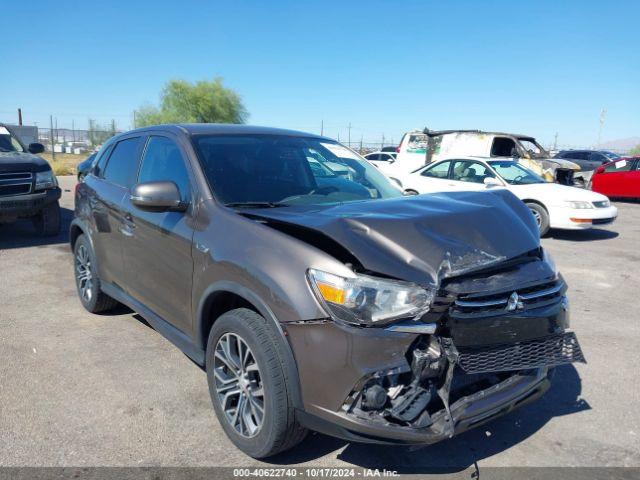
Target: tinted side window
<point>373,156</point>
<point>163,161</point>
<point>619,166</point>
<point>104,154</point>
<point>123,163</point>
<point>441,170</point>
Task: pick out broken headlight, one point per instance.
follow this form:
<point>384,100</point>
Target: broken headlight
<point>365,300</point>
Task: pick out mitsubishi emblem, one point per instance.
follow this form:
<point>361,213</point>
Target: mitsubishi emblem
<point>514,303</point>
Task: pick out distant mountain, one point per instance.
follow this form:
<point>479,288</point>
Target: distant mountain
<point>621,145</point>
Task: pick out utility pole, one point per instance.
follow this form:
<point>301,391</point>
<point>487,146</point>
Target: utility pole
<point>73,130</point>
<point>20,116</point>
<point>555,141</point>
<point>321,127</point>
<point>382,143</point>
<point>349,135</point>
<point>134,119</point>
<point>361,144</point>
<point>603,114</point>
<point>53,150</point>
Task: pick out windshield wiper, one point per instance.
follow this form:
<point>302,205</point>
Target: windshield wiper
<point>255,204</point>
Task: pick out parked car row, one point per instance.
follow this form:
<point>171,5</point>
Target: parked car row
<point>588,161</point>
<point>471,160</point>
<point>552,205</point>
<point>321,294</point>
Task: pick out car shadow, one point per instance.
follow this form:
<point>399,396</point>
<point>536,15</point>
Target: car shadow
<point>591,235</point>
<point>21,233</point>
<point>461,452</point>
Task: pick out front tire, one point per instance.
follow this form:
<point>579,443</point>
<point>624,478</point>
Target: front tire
<point>247,384</point>
<point>87,280</point>
<point>541,216</point>
<point>47,221</point>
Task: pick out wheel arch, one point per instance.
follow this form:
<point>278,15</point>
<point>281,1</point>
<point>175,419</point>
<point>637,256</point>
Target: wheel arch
<point>75,230</point>
<point>225,296</point>
<point>538,202</point>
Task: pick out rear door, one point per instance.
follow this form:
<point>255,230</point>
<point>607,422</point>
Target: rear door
<point>434,178</point>
<point>107,187</point>
<point>158,245</point>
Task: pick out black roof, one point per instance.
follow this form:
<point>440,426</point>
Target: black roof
<point>223,128</point>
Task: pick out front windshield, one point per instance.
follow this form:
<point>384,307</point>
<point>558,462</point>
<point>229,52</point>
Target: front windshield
<point>515,174</point>
<point>7,142</point>
<point>278,170</point>
<point>533,147</point>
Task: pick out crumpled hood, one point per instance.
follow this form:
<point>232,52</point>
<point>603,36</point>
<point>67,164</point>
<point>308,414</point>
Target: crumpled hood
<point>22,162</point>
<point>422,238</point>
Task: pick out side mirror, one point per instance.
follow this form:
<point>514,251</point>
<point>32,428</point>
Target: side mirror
<point>157,197</point>
<point>600,169</point>
<point>35,148</point>
<point>492,182</point>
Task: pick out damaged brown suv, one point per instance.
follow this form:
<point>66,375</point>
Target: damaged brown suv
<point>315,295</point>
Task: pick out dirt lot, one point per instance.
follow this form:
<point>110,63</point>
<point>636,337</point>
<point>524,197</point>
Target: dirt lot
<point>86,390</point>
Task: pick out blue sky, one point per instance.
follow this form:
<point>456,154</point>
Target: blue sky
<point>384,67</point>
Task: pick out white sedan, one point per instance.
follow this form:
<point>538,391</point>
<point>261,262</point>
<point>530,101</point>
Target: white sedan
<point>553,205</point>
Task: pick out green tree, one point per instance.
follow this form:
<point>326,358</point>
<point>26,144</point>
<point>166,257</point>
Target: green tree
<point>200,102</point>
<point>635,150</point>
<point>98,134</point>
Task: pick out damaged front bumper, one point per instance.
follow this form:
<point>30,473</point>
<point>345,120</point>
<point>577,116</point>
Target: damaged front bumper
<point>465,413</point>
<point>388,386</point>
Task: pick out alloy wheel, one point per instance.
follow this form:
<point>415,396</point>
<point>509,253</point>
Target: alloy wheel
<point>537,216</point>
<point>239,385</point>
<point>84,277</point>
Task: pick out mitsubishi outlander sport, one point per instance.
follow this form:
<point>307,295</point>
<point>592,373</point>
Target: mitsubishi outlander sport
<point>317,300</point>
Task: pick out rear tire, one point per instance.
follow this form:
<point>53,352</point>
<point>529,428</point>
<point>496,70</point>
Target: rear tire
<point>250,397</point>
<point>47,221</point>
<point>541,215</point>
<point>87,280</point>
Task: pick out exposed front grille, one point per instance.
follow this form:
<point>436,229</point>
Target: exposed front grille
<point>511,300</point>
<point>544,352</point>
<point>15,183</point>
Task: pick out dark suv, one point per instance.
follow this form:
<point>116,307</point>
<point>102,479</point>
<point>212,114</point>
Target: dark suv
<point>588,160</point>
<point>321,300</point>
<point>28,187</point>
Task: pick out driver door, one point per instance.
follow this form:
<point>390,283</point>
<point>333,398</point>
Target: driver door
<point>158,246</point>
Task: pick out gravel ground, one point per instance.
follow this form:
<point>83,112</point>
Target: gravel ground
<point>85,390</point>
